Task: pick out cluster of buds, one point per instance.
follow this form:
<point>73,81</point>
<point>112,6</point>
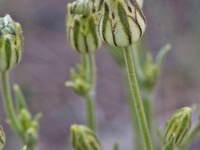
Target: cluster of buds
<point>83,138</point>
<point>30,125</point>
<point>11,43</point>
<point>177,128</point>
<point>82,23</point>
<point>148,73</point>
<point>122,22</point>
<point>79,82</point>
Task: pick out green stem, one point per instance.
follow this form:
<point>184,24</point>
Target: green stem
<point>134,122</point>
<point>91,117</point>
<point>8,105</point>
<point>90,97</point>
<point>137,98</point>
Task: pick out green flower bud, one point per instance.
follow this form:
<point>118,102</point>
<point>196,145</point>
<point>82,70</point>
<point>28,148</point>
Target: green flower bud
<point>178,126</point>
<point>122,23</point>
<point>11,43</point>
<point>19,97</point>
<point>82,24</point>
<point>31,136</point>
<point>24,117</point>
<point>79,86</point>
<point>83,138</point>
<point>32,132</point>
<point>2,138</point>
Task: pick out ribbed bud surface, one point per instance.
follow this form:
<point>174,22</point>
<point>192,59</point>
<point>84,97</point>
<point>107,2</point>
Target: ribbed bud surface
<point>178,126</point>
<point>83,138</point>
<point>11,43</point>
<point>2,138</point>
<point>122,23</point>
<point>82,25</point>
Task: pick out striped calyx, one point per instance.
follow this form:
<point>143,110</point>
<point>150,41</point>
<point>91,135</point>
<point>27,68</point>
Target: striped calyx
<point>2,138</point>
<point>140,3</point>
<point>83,138</point>
<point>178,126</point>
<point>11,43</point>
<point>82,25</point>
<point>122,22</point>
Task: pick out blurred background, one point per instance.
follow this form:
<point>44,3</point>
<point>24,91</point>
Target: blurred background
<point>48,57</point>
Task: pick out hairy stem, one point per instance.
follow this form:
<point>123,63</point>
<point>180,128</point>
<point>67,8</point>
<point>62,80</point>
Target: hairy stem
<point>90,97</point>
<point>138,106</point>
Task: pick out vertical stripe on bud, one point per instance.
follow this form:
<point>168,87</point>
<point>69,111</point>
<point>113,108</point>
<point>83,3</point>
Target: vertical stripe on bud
<point>82,21</point>
<point>122,23</point>
<point>11,43</point>
<point>83,138</point>
<point>2,138</point>
<point>140,3</point>
<point>178,126</point>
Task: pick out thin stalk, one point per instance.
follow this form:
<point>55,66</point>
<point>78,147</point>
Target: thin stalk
<point>90,97</point>
<point>134,121</point>
<point>8,105</point>
<point>137,98</point>
<point>91,116</point>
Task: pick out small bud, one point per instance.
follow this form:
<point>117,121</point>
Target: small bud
<point>82,24</point>
<point>31,136</point>
<point>178,126</point>
<point>2,138</point>
<point>32,132</point>
<point>150,74</point>
<point>24,117</point>
<point>11,43</point>
<point>122,23</point>
<point>79,86</point>
<point>19,97</point>
<point>83,138</point>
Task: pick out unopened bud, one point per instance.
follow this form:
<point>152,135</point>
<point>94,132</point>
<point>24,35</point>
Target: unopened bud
<point>31,136</point>
<point>2,138</point>
<point>79,86</point>
<point>24,117</point>
<point>178,126</point>
<point>82,25</point>
<point>122,23</point>
<point>83,138</point>
<point>11,43</point>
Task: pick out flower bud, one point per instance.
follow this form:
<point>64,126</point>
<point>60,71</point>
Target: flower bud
<point>11,43</point>
<point>24,117</point>
<point>82,26</point>
<point>178,126</point>
<point>79,86</point>
<point>19,97</point>
<point>2,138</point>
<point>83,138</point>
<point>122,23</point>
<point>31,136</point>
